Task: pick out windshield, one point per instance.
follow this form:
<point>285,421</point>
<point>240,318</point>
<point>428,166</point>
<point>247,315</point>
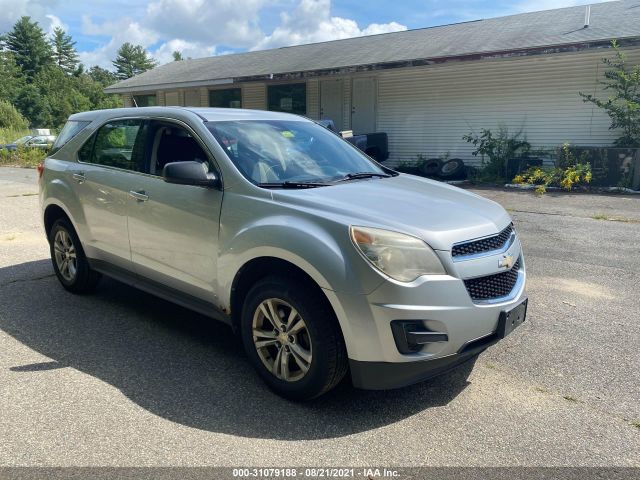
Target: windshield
<point>22,140</point>
<point>285,151</point>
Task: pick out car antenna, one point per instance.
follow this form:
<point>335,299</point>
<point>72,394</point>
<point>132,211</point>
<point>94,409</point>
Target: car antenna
<point>134,101</point>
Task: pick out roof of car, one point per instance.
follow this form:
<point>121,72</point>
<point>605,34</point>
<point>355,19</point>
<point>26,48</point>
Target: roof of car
<point>564,26</point>
<point>208,114</point>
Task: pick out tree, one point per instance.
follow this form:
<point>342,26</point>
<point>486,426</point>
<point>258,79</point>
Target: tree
<point>11,75</point>
<point>132,60</point>
<point>177,56</point>
<point>623,105</point>
<point>64,52</point>
<point>11,118</point>
<point>103,76</point>
<point>29,46</point>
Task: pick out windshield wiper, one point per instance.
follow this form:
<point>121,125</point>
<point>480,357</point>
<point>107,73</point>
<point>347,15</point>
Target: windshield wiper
<point>292,184</point>
<point>359,175</point>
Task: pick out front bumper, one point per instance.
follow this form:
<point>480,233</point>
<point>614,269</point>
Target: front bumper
<point>440,303</point>
<point>387,375</point>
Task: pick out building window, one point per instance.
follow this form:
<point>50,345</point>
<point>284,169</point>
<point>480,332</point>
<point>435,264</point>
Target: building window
<point>226,98</point>
<point>291,98</point>
<point>145,100</point>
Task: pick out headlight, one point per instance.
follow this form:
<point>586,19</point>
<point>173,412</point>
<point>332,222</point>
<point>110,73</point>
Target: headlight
<point>402,257</point>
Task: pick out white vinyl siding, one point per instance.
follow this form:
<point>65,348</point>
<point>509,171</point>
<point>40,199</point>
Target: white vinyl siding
<point>313,99</point>
<point>254,96</point>
<point>172,98</point>
<point>192,98</point>
<point>427,110</point>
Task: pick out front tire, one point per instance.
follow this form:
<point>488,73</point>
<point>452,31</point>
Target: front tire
<point>292,338</point>
<point>69,261</point>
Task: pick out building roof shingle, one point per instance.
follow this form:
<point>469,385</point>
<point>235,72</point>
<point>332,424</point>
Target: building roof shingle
<point>549,28</point>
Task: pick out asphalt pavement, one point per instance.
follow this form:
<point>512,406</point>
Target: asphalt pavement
<point>121,378</point>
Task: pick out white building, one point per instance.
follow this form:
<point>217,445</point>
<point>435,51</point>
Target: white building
<point>425,88</point>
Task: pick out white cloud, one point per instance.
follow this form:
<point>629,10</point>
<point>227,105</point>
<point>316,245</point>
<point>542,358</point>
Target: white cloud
<point>164,53</point>
<point>55,22</point>
<point>120,31</point>
<point>230,22</point>
<point>311,22</point>
<point>38,10</point>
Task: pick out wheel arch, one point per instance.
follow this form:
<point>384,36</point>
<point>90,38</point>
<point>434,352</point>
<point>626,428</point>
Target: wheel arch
<point>260,267</point>
<point>53,212</point>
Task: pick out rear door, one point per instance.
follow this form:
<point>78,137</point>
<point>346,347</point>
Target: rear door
<point>173,229</point>
<point>109,163</point>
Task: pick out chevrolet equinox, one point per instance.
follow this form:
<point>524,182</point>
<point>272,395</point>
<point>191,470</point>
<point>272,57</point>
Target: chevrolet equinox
<point>322,260</point>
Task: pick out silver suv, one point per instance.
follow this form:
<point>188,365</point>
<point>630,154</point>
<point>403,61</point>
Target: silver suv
<point>323,261</point>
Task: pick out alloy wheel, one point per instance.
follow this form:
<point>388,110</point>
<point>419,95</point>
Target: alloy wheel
<point>282,339</point>
<point>65,255</point>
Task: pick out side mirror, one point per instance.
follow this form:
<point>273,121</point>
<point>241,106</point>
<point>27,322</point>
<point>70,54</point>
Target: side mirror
<point>189,173</point>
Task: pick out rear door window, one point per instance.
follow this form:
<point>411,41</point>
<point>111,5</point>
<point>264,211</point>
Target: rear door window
<point>119,144</point>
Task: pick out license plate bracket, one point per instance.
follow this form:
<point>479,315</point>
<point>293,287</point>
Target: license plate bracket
<point>511,319</point>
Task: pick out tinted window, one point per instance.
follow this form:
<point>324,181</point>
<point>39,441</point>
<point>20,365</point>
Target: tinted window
<point>70,130</point>
<point>117,144</point>
<point>290,98</point>
<point>145,100</point>
<point>227,98</point>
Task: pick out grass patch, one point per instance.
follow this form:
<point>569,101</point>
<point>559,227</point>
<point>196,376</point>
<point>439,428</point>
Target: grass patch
<point>636,424</point>
<point>22,157</point>
<point>607,218</point>
<point>10,135</point>
<point>540,389</point>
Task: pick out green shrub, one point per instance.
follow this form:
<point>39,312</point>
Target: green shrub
<point>22,157</point>
<point>10,118</point>
<point>566,178</point>
<point>498,148</point>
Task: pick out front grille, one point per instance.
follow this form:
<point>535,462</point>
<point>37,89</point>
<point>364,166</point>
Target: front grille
<point>488,244</point>
<point>493,286</point>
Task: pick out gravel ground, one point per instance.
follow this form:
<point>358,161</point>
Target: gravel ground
<point>121,378</point>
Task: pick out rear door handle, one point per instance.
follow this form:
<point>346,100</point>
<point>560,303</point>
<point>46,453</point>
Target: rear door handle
<point>79,177</point>
<point>139,195</point>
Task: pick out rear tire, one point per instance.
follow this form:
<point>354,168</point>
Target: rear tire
<point>301,355</point>
<point>69,261</point>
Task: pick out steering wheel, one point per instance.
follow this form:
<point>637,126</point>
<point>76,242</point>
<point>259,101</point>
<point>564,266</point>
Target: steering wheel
<point>271,169</point>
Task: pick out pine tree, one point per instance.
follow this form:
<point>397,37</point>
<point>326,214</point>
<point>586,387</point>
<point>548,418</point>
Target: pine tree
<point>132,60</point>
<point>64,52</point>
<point>177,56</point>
<point>29,46</point>
<point>103,76</point>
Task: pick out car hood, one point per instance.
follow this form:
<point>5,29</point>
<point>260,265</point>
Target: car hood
<point>438,213</point>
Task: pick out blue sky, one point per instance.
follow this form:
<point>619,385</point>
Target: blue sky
<point>214,27</point>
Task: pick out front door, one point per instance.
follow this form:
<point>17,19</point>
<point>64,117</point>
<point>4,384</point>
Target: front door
<point>173,229</point>
<point>363,106</point>
<point>331,102</point>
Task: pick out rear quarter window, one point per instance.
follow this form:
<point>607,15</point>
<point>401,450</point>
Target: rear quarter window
<point>70,130</point>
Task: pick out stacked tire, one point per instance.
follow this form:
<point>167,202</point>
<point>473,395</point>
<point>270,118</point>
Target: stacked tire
<point>452,169</point>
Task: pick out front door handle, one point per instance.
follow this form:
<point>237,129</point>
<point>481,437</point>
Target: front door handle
<point>139,195</point>
<point>79,177</point>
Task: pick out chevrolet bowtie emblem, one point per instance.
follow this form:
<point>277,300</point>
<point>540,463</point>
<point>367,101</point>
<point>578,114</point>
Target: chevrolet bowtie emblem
<point>506,261</point>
